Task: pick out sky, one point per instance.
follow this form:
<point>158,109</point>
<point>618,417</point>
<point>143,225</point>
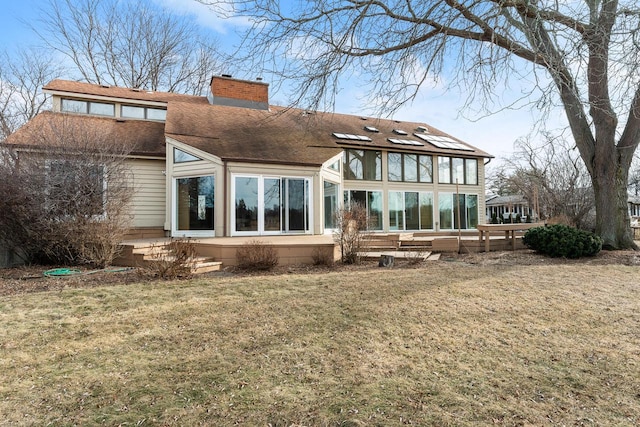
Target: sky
<point>434,106</point>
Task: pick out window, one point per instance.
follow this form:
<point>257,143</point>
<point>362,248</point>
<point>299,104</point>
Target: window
<point>195,203</point>
<point>453,170</point>
<point>180,156</point>
<point>410,210</point>
<point>75,188</point>
<point>363,165</point>
<point>450,205</point>
<point>330,204</point>
<point>148,113</point>
<point>372,200</point>
<point>444,170</point>
<point>409,167</point>
<point>271,205</point>
<point>86,107</point>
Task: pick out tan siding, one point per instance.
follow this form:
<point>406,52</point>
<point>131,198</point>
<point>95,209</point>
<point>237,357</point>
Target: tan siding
<point>150,189</point>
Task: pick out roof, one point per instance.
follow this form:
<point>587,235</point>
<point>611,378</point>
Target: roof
<point>134,137</point>
<point>506,200</point>
<point>288,135</point>
<point>119,92</point>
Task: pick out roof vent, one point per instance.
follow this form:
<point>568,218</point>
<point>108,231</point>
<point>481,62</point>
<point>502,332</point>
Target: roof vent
<point>227,75</point>
<point>105,86</point>
<point>259,79</point>
<point>422,129</point>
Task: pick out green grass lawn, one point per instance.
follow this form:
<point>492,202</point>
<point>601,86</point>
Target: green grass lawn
<point>447,344</point>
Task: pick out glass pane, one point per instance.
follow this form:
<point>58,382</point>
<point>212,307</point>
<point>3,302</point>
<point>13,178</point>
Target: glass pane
<point>102,109</point>
<point>353,168</point>
<point>411,211</point>
<point>410,168</point>
<point>445,206</point>
<point>156,114</point>
<point>330,204</point>
<point>132,112</point>
<point>472,210</point>
<point>458,170</point>
<point>195,199</point>
<point>426,169</point>
<point>180,156</point>
<point>73,106</point>
<point>375,210</point>
<point>426,211</point>
<point>296,206</point>
<point>459,206</point>
<point>272,204</point>
<point>396,211</point>
<point>444,170</point>
<point>394,166</point>
<point>246,204</point>
<point>471,171</point>
<point>373,165</point>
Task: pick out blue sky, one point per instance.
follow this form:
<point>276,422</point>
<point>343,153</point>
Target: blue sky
<point>494,134</point>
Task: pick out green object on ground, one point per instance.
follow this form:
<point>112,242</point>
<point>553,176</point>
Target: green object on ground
<point>55,272</point>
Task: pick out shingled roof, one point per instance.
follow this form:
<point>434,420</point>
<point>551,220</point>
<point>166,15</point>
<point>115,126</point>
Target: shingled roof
<point>80,88</point>
<point>288,135</point>
<point>135,137</point>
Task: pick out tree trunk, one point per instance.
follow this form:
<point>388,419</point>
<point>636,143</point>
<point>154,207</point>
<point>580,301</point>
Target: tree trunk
<point>612,215</point>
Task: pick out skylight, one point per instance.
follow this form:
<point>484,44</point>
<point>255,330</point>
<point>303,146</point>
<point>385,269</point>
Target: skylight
<point>443,142</point>
<point>351,137</point>
<point>405,142</point>
<point>371,129</point>
<point>400,132</point>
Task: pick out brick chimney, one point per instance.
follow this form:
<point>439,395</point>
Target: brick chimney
<point>239,93</point>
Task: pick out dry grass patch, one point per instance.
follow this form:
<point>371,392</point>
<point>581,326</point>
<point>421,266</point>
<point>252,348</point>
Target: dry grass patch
<point>449,344</point>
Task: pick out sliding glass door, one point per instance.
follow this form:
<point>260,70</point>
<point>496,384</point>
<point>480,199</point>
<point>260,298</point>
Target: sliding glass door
<point>270,205</point>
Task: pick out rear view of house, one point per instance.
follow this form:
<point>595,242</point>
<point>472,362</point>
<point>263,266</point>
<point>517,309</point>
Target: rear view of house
<point>231,164</point>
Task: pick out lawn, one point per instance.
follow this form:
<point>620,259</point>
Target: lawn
<point>450,343</point>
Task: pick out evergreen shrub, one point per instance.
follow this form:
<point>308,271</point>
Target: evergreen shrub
<point>562,241</point>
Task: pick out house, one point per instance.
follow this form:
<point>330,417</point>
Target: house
<point>506,208</point>
<point>231,164</point>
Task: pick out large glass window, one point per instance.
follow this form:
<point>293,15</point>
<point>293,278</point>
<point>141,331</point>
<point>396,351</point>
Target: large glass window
<point>269,205</point>
<point>363,165</point>
<point>330,204</point>
<point>471,171</point>
<point>102,109</point>
<point>86,107</point>
<point>410,210</point>
<point>456,169</point>
<point>195,203</point>
<point>458,210</point>
<point>272,204</point>
<point>372,200</point>
<point>444,170</point>
<point>246,203</point>
<point>409,167</point>
<point>180,156</point>
<point>74,106</point>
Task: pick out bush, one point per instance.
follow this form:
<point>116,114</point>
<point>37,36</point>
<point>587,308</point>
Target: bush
<point>562,241</point>
<point>255,255</point>
<point>177,259</point>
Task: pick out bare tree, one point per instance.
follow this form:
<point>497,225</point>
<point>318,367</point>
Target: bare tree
<point>21,78</point>
<point>588,53</point>
<point>552,178</point>
<point>65,191</point>
<point>129,44</point>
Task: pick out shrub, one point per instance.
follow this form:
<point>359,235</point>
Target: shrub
<point>562,241</point>
<point>255,255</point>
<point>352,232</point>
<point>322,256</point>
<point>177,259</point>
